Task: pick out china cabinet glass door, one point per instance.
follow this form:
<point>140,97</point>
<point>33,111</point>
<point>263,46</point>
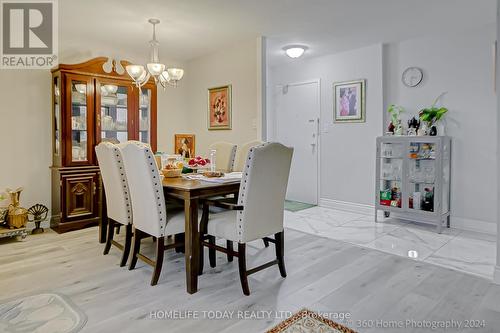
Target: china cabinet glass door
<point>114,111</point>
<point>390,159</point>
<point>80,98</point>
<point>56,144</point>
<point>422,171</point>
<point>145,115</point>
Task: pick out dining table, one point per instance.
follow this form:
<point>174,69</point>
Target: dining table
<point>191,192</point>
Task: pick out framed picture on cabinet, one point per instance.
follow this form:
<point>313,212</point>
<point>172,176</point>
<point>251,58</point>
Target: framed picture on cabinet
<point>349,101</point>
<point>185,145</point>
<point>219,108</point>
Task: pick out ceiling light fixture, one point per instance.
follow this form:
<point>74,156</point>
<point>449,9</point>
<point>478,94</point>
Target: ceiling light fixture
<point>161,74</point>
<point>295,51</point>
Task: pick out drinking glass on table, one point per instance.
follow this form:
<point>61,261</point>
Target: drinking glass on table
<point>213,156</point>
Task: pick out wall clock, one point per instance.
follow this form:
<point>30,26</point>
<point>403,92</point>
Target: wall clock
<point>412,77</point>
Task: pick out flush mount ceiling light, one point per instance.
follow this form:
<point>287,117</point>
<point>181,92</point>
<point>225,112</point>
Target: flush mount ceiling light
<point>161,74</point>
<point>295,51</point>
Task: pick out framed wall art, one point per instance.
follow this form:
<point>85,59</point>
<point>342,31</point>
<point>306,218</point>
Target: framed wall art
<point>219,108</point>
<point>349,101</point>
<point>185,145</point>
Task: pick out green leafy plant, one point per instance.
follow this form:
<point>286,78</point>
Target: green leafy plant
<point>395,111</point>
<point>433,114</point>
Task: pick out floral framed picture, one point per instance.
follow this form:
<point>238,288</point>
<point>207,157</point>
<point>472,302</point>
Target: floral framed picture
<point>349,101</point>
<point>219,108</point>
<point>184,145</point>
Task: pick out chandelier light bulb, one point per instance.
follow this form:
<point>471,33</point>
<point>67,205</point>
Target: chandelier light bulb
<point>155,69</point>
<point>135,71</point>
<point>175,74</point>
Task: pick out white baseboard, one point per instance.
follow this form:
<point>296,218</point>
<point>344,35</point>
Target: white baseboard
<point>474,225</point>
<point>496,275</point>
<point>456,222</point>
<point>347,206</point>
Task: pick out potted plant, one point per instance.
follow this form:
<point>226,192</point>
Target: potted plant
<point>431,116</point>
<point>395,126</point>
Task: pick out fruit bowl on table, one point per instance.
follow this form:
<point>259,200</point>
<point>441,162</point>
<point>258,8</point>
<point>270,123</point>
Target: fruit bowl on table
<point>198,163</point>
<point>198,167</point>
<point>171,173</point>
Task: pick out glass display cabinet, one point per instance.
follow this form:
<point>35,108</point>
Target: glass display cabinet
<point>90,105</point>
<point>413,178</point>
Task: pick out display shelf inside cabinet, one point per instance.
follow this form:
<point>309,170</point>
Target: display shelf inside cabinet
<point>92,104</point>
<point>413,178</point>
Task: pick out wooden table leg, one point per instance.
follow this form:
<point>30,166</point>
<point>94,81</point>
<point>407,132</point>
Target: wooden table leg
<point>103,223</point>
<point>191,247</point>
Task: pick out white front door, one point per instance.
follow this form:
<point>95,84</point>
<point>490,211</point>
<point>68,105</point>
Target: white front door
<point>297,125</point>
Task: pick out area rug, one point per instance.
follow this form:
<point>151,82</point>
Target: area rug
<point>41,313</point>
<point>306,321</point>
<point>295,206</point>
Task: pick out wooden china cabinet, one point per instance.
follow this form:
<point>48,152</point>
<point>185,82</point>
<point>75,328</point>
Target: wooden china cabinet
<point>91,104</point>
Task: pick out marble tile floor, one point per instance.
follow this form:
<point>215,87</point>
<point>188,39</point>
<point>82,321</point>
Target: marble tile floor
<point>465,251</point>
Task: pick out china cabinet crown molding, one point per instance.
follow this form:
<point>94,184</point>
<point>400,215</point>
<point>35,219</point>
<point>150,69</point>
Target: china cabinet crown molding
<point>96,67</point>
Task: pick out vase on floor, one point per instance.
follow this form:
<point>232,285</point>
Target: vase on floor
<point>17,216</point>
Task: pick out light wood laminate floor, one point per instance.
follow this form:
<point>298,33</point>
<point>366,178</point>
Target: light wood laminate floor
<point>323,275</point>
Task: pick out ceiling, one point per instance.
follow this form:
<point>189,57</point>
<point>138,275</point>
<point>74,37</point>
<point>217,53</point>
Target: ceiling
<point>192,28</point>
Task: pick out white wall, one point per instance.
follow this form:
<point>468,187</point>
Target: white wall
<point>496,277</point>
<point>347,150</point>
<point>25,137</point>
<point>462,65</point>
<point>173,115</point>
<point>236,65</point>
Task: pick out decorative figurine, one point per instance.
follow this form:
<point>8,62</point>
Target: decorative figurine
<point>422,131</point>
<point>3,211</point>
<point>413,126</point>
<point>3,215</point>
<point>433,131</point>
<point>39,213</point>
<point>399,128</point>
<point>390,128</point>
<point>18,216</point>
<point>411,132</point>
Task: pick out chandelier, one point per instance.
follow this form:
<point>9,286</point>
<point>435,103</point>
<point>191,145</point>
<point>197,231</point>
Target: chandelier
<point>161,74</point>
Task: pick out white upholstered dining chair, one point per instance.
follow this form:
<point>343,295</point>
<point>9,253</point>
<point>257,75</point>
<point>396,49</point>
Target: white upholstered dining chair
<point>118,204</point>
<point>149,208</point>
<point>257,214</point>
<point>242,153</point>
<point>225,154</point>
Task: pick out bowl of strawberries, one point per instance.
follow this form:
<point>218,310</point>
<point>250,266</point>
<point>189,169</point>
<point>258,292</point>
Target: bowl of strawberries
<point>198,163</point>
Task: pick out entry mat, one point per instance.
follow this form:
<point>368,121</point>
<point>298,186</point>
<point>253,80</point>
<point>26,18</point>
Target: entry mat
<point>295,206</point>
